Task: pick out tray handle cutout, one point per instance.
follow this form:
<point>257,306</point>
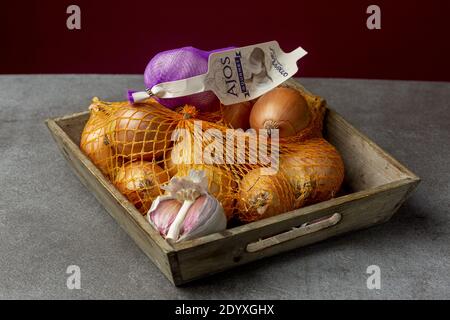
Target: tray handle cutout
<point>304,229</point>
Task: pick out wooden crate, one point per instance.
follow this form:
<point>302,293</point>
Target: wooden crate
<point>376,185</point>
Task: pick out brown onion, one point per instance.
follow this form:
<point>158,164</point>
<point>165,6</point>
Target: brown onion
<point>96,145</point>
<point>140,182</point>
<point>315,171</point>
<point>281,108</point>
<point>169,165</point>
<point>138,134</point>
<point>263,196</point>
<point>180,154</point>
<point>237,115</point>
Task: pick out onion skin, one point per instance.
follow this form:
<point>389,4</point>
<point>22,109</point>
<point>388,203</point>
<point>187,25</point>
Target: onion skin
<point>237,115</point>
<point>263,196</point>
<point>133,132</point>
<point>169,166</point>
<point>315,171</point>
<point>140,182</point>
<point>178,156</point>
<point>281,108</point>
<point>96,145</point>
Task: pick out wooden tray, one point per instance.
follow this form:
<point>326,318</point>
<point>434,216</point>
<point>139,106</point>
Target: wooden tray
<point>376,186</point>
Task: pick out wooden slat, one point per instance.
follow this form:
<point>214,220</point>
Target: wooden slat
<point>294,233</point>
<point>73,125</point>
<point>366,164</point>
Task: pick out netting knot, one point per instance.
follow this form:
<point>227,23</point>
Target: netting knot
<point>189,112</point>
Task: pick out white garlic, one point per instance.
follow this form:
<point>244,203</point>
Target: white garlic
<point>188,211</point>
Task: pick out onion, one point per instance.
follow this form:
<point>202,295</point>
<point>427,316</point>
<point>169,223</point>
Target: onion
<point>220,184</point>
<point>237,115</point>
<point>169,165</point>
<point>96,145</point>
<point>315,171</point>
<point>140,182</point>
<point>263,196</point>
<point>281,108</point>
<point>100,109</point>
<point>180,154</point>
<point>137,133</point>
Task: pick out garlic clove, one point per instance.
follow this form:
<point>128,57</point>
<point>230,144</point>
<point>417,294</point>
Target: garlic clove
<point>163,215</point>
<point>196,214</point>
<point>177,225</point>
<point>206,216</point>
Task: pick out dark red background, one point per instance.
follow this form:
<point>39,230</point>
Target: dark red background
<point>120,37</point>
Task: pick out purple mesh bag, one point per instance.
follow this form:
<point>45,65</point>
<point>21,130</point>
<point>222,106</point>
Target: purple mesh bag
<point>179,64</point>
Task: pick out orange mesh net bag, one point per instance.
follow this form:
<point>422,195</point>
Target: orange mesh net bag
<point>141,146</point>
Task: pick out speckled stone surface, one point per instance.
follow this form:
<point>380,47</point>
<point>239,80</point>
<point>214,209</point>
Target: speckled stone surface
<point>49,220</point>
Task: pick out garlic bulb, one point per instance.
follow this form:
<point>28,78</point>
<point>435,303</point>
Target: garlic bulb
<point>187,211</point>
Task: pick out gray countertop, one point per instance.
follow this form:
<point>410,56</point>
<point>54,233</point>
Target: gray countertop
<point>49,220</point>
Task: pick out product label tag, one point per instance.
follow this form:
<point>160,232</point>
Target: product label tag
<point>246,73</point>
<point>238,75</point>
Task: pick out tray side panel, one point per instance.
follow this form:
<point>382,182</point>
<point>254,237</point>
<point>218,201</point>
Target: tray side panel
<point>161,257</point>
<point>357,213</point>
<point>73,125</point>
<point>366,164</point>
